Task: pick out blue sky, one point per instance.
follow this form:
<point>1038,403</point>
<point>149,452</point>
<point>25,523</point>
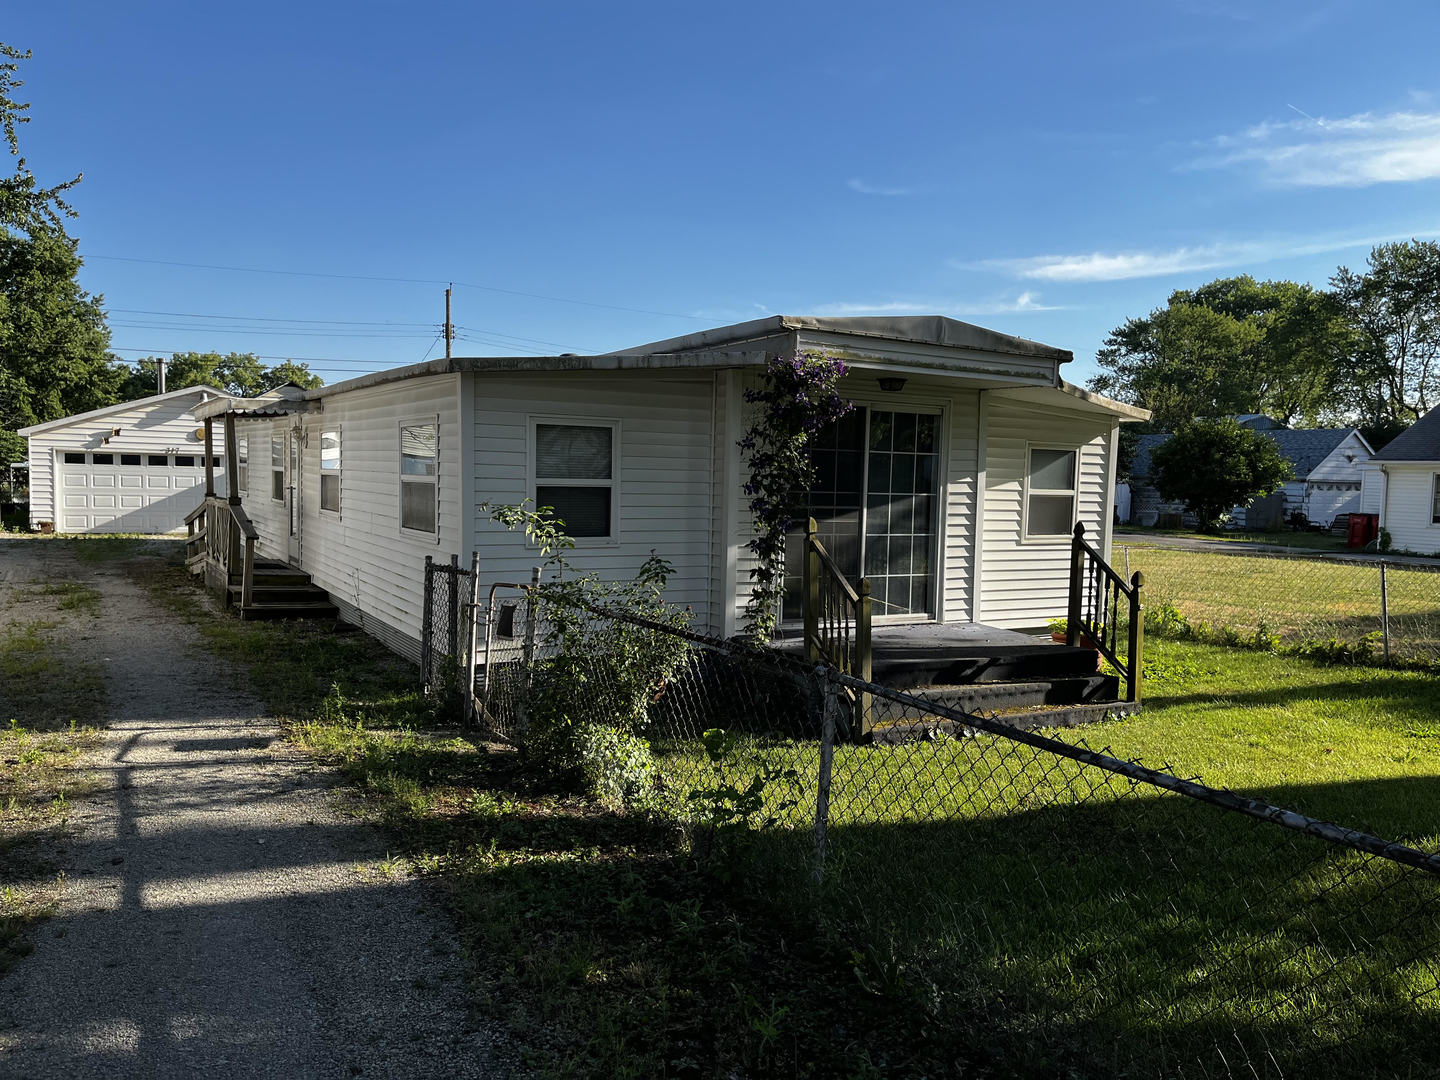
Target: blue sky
<point>595,176</point>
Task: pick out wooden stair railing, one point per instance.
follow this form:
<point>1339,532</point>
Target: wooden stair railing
<point>837,623</point>
<point>1098,598</point>
<point>221,542</point>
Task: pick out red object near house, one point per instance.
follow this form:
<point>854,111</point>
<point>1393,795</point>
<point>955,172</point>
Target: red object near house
<point>1363,529</point>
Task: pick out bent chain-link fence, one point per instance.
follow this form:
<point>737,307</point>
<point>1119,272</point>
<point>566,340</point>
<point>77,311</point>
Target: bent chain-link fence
<point>1085,915</point>
<point>1384,610</point>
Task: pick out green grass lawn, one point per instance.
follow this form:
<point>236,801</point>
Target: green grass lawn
<point>986,909</point>
<point>1287,539</point>
<point>1295,599</point>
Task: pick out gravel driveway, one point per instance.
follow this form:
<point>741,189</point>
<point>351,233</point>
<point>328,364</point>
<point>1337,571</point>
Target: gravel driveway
<point>224,914</point>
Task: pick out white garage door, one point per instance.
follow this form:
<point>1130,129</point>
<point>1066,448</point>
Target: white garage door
<point>130,493</point>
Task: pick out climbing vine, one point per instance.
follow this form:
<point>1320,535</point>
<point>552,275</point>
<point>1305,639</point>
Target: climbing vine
<point>799,396</point>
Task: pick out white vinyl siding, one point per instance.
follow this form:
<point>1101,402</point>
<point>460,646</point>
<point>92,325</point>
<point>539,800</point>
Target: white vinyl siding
<point>664,471</point>
<point>1025,581</point>
<point>1409,499</point>
<point>162,428</point>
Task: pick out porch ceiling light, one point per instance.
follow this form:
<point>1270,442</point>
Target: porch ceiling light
<point>891,384</point>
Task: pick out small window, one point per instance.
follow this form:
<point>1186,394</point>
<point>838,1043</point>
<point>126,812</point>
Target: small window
<point>129,459</point>
<point>330,470</point>
<point>102,459</point>
<point>215,462</point>
<point>575,476</point>
<point>277,469</point>
<point>242,463</point>
<point>184,461</point>
<point>1050,492</point>
<point>159,460</point>
<point>419,470</point>
<point>1435,499</point>
<point>74,459</point>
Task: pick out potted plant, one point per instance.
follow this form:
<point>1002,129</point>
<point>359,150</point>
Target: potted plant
<point>1058,628</point>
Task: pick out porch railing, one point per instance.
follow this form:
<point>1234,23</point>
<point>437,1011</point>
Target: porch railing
<point>1102,605</point>
<point>220,543</point>
<point>837,622</point>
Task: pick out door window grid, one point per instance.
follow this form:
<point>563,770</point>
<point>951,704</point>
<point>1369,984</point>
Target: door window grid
<point>875,508</point>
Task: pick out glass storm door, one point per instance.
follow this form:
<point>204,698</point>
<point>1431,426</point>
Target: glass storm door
<point>876,506</point>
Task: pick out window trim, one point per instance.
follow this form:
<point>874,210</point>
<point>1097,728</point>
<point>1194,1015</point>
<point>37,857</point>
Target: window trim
<point>277,447</point>
<point>339,471</point>
<point>1027,491</point>
<point>401,479</point>
<point>533,480</point>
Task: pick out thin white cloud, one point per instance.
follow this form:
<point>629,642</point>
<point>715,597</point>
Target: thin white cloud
<point>1349,151</point>
<point>864,188</point>
<point>1026,302</point>
<point>1124,265</point>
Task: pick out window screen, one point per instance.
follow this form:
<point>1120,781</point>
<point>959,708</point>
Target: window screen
<point>330,470</point>
<point>277,469</point>
<point>574,476</point>
<point>1050,492</point>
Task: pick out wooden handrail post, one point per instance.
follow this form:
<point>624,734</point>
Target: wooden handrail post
<point>1137,639</point>
<point>1077,578</point>
<point>247,578</point>
<point>811,588</point>
<point>209,457</point>
<point>864,658</point>
<point>232,463</point>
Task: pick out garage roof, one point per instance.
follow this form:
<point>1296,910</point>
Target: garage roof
<point>207,393</point>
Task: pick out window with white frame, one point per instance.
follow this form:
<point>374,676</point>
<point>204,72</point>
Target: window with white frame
<point>330,470</point>
<point>242,463</point>
<point>419,473</point>
<point>1051,476</point>
<point>1435,499</point>
<point>574,472</point>
<point>277,468</point>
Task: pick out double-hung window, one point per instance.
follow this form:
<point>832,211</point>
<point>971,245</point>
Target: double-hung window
<point>419,474</point>
<point>1051,476</point>
<point>1435,499</point>
<point>242,463</point>
<point>330,470</point>
<point>574,465</point>
<point>277,468</point>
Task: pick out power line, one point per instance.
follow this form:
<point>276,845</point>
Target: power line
<point>262,318</point>
<point>400,280</point>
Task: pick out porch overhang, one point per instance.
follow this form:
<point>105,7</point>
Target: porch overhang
<point>1064,395</point>
<point>284,401</point>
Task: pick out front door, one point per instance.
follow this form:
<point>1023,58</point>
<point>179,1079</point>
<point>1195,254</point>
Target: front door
<point>876,502</point>
<point>294,489</point>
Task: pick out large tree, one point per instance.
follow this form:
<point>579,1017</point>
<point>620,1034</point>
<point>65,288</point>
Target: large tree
<point>1235,345</point>
<point>1393,375</point>
<point>239,373</point>
<point>54,357</point>
<point>1214,465</point>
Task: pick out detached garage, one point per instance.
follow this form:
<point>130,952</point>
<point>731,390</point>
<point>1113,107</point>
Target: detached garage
<point>136,467</point>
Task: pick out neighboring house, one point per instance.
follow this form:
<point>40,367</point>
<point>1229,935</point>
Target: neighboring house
<point>1328,463</point>
<point>953,486</point>
<point>135,467</point>
<point>1401,487</point>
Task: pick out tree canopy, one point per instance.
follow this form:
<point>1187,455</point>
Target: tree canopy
<point>239,373</point>
<point>1214,465</point>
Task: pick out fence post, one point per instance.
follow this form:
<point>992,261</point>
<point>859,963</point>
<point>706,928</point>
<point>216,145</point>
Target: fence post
<point>1077,579</point>
<point>833,703</point>
<point>811,587</point>
<point>1384,612</point>
<point>471,633</point>
<point>528,653</point>
<point>427,625</point>
<point>454,614</point>
<point>1137,639</point>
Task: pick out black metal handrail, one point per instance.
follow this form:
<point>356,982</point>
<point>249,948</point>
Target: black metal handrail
<point>837,621</point>
<point>1098,597</point>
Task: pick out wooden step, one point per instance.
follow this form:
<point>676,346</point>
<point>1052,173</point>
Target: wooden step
<point>923,730</point>
<point>316,610</point>
<point>990,697</point>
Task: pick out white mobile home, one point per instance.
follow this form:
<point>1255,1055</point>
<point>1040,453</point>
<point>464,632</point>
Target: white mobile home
<point>136,467</point>
<point>1402,487</point>
<point>953,486</point>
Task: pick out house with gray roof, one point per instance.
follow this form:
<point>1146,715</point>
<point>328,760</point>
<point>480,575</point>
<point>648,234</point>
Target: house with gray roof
<point>1400,486</point>
<point>1329,468</point>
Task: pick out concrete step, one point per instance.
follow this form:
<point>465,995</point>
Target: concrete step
<point>907,731</point>
<point>1010,663</point>
<point>316,610</point>
<point>991,697</point>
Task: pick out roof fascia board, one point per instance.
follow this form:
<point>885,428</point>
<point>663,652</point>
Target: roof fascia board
<point>123,406</point>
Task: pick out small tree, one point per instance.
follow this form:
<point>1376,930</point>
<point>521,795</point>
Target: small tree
<point>1213,465</point>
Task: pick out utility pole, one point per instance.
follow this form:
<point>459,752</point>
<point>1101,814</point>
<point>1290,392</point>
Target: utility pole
<point>449,326</point>
<point>160,375</point>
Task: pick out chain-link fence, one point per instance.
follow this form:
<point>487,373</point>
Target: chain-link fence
<point>1073,913</point>
<point>1387,609</point>
<point>447,626</point>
